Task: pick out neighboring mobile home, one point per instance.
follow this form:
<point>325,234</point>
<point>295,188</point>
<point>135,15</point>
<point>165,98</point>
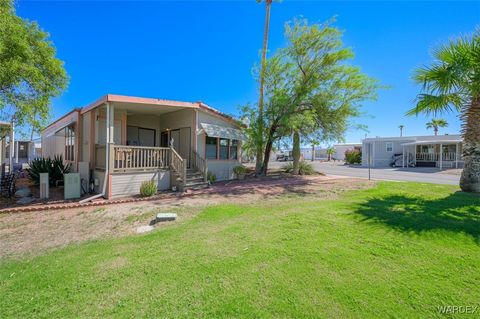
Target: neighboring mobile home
<point>126,140</point>
<point>442,151</point>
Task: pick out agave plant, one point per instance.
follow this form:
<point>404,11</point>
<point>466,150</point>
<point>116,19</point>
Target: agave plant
<point>55,168</point>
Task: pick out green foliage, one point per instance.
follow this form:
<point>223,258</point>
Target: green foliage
<point>452,79</point>
<point>30,73</point>
<point>436,124</point>
<point>240,169</point>
<point>211,177</point>
<point>310,87</point>
<point>353,156</point>
<point>55,168</point>
<point>304,168</point>
<point>148,188</point>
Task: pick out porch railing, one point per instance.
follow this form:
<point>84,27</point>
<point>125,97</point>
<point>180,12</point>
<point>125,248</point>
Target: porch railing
<point>138,158</point>
<point>435,157</point>
<point>178,165</point>
<point>200,164</point>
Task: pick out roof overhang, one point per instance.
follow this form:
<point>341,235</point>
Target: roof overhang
<point>434,142</point>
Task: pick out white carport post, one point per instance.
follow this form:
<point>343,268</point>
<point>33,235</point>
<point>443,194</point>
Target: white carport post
<point>11,148</point>
<point>441,155</point>
<point>403,156</point>
<point>415,155</point>
<point>456,155</point>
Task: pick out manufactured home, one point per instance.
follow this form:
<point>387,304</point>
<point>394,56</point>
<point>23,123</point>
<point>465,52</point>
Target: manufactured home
<point>442,151</point>
<point>126,140</point>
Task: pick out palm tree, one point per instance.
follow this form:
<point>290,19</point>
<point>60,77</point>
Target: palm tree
<point>435,124</point>
<point>452,82</point>
<point>401,127</point>
<point>259,159</point>
<point>330,152</point>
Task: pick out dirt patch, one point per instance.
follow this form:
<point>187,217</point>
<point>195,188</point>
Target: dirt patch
<point>32,233</point>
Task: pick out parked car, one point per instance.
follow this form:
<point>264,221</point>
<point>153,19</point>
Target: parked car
<point>284,156</point>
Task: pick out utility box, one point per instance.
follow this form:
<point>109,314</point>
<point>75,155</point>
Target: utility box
<point>71,185</point>
<point>44,186</point>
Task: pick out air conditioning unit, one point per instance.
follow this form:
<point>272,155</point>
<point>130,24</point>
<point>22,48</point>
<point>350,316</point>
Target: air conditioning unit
<point>71,185</point>
<point>44,186</point>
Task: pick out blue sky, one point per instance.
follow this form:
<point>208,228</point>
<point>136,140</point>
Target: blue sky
<point>205,50</point>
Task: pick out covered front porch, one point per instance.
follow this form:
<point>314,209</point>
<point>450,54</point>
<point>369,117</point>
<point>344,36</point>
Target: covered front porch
<point>441,153</point>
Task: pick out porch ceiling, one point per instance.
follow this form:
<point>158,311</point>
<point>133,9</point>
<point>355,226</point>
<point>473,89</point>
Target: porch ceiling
<point>136,108</point>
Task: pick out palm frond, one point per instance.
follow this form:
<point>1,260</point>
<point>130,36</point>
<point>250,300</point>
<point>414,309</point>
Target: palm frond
<point>435,104</point>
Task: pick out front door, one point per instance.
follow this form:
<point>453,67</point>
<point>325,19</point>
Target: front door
<point>180,141</point>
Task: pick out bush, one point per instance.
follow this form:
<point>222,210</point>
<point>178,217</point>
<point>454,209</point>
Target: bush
<point>240,169</point>
<point>211,177</point>
<point>353,156</point>
<point>304,168</point>
<point>54,167</point>
<point>148,188</point>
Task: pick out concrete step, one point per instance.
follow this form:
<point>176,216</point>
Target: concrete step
<point>195,180</point>
<point>197,186</point>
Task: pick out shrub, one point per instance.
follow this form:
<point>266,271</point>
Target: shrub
<point>353,156</point>
<point>211,177</point>
<point>304,168</point>
<point>240,169</point>
<point>54,167</point>
<point>148,188</point>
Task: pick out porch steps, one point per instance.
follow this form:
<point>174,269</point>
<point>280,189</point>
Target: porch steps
<point>195,180</point>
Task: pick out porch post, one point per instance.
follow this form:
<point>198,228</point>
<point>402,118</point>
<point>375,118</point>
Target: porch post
<point>456,155</point>
<point>415,155</point>
<point>11,149</point>
<point>441,155</point>
<point>109,142</point>
<point>16,152</point>
<point>403,156</point>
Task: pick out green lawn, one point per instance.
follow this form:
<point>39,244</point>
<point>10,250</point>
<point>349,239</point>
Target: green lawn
<point>397,250</point>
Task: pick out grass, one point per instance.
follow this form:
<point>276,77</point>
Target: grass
<point>396,250</point>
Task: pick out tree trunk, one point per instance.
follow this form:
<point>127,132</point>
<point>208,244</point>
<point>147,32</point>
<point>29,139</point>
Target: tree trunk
<point>266,158</point>
<point>470,179</point>
<point>435,130</point>
<point>313,152</point>
<point>258,166</point>
<point>296,153</point>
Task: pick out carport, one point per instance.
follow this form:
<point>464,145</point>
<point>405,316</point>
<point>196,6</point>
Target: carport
<point>438,151</point>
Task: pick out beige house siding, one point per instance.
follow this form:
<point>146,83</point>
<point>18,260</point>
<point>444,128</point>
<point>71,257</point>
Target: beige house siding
<point>129,183</point>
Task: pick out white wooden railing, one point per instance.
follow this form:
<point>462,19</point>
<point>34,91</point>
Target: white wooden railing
<point>138,158</point>
<point>178,165</point>
<point>435,157</point>
<point>200,164</point>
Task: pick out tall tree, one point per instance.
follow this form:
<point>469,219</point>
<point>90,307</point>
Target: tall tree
<point>435,124</point>
<point>30,73</point>
<point>309,86</point>
<point>401,127</point>
<point>452,83</point>
<point>259,135</point>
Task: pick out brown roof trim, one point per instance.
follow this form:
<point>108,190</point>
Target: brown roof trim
<point>152,101</point>
<point>62,117</point>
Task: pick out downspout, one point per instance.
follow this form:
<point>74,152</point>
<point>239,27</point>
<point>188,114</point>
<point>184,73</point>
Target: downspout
<point>107,161</point>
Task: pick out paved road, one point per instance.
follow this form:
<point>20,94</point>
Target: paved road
<point>418,174</point>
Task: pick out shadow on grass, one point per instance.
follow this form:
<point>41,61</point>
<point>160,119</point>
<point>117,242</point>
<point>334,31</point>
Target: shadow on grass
<point>458,212</point>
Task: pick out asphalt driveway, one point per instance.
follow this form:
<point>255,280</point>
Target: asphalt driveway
<point>417,174</point>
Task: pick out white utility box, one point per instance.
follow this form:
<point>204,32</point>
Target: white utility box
<point>71,185</point>
<point>44,186</point>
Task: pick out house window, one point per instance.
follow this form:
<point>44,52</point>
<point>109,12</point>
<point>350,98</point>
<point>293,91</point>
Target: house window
<point>69,143</point>
<point>211,147</point>
<point>389,147</point>
<point>224,145</point>
<point>233,149</point>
